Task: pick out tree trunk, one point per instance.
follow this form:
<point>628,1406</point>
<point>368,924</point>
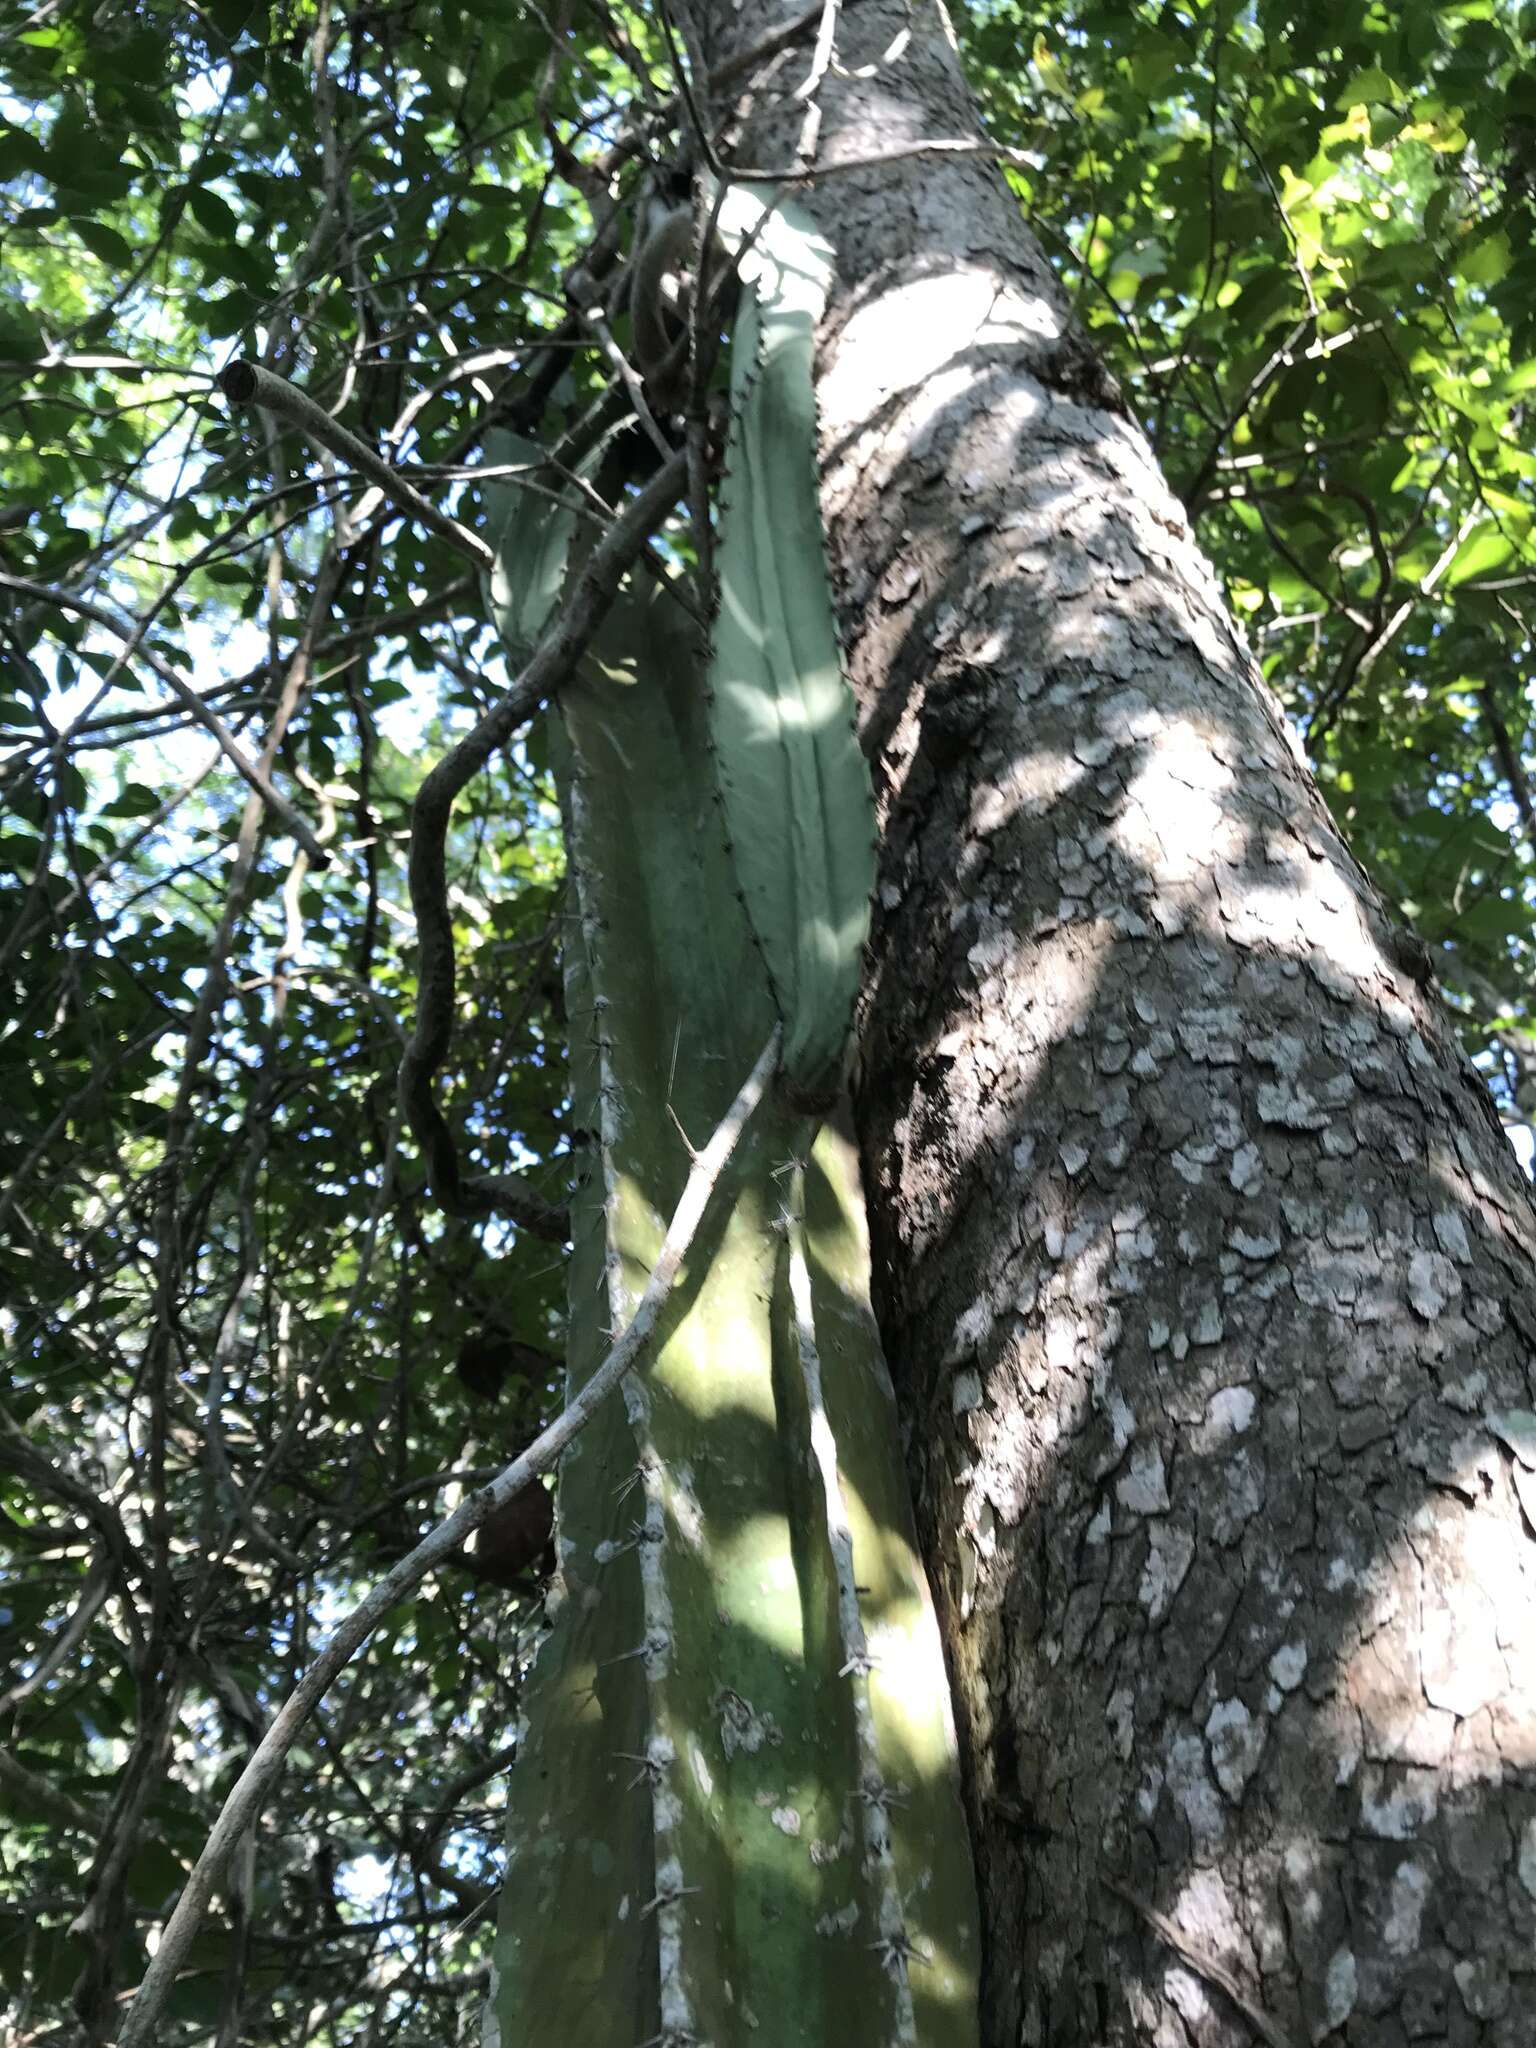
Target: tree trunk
<point>1203,1267</point>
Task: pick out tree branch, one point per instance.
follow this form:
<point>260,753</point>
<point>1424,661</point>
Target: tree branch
<point>1510,764</point>
<point>1200,1959</point>
<point>229,746</point>
<point>48,1800</point>
<point>19,1455</point>
<point>247,383</point>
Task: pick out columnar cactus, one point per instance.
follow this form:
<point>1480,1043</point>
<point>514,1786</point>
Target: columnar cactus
<point>734,1818</point>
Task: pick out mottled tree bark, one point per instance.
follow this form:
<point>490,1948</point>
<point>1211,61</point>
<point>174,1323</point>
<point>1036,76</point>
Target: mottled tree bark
<point>1204,1269</point>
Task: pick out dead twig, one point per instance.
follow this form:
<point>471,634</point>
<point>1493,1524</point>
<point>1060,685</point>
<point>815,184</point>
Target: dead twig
<point>247,383</point>
<point>1203,1963</point>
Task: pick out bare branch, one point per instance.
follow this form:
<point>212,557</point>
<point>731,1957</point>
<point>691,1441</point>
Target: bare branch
<point>938,145</point>
<point>92,1596</point>
<point>1508,757</point>
<point>46,1798</point>
<point>1203,1962</point>
<point>19,1455</point>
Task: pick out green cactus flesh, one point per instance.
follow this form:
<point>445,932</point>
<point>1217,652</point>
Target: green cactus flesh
<point>793,782</point>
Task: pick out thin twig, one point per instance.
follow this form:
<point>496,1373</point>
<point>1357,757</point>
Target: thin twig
<point>20,1455</point>
<point>245,1801</point>
<point>685,87</point>
<point>92,1597</point>
<point>769,46</point>
<point>810,85</point>
<point>1279,359</point>
<point>629,377</point>
<point>1510,764</point>
<point>41,1796</point>
<point>1200,1959</point>
<point>940,145</point>
<point>1363,658</point>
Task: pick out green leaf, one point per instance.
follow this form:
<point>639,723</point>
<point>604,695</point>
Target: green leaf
<point>21,338</point>
<point>1154,64</point>
<point>1483,551</point>
<point>1367,88</point>
<point>1488,258</point>
<point>212,213</point>
<point>104,241</point>
<point>229,315</point>
<point>20,151</point>
<point>232,17</point>
<point>134,800</point>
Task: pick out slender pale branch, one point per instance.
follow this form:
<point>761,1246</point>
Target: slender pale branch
<point>246,383</point>
<point>629,377</point>
<point>248,1795</point>
<point>1203,1962</point>
<point>92,1598</point>
<point>938,145</point>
